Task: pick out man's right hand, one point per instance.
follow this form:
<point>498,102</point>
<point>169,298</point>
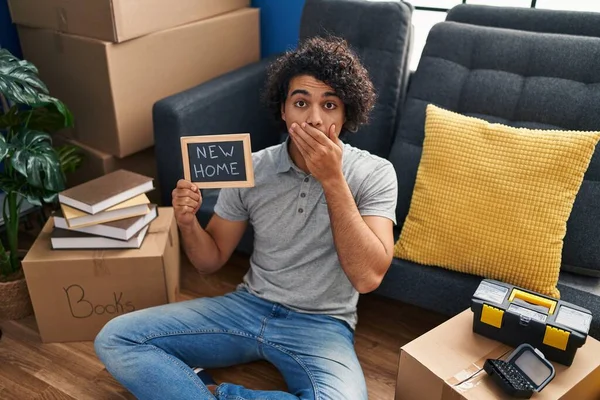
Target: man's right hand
<point>186,199</point>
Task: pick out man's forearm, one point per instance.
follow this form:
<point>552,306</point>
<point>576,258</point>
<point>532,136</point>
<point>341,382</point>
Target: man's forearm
<point>200,248</point>
<point>362,255</point>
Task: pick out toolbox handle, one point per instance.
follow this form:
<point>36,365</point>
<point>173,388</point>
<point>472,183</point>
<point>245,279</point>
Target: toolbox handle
<point>534,299</point>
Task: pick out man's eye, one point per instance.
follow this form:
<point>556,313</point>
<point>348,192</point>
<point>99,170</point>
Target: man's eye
<point>330,106</point>
<point>300,103</point>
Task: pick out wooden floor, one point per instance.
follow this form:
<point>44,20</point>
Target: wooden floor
<point>32,370</point>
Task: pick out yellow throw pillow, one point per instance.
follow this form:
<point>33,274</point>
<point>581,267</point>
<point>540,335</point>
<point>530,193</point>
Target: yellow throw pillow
<point>493,200</point>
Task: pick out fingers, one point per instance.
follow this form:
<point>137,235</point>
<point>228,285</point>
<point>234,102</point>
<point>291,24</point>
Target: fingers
<point>185,201</point>
<point>304,149</point>
<point>301,135</point>
<point>186,198</point>
<point>185,188</point>
<point>332,136</point>
<point>309,132</point>
<point>186,185</point>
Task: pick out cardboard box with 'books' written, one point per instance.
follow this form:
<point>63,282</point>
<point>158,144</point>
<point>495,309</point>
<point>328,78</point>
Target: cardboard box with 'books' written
<point>446,363</point>
<point>111,88</point>
<point>76,292</point>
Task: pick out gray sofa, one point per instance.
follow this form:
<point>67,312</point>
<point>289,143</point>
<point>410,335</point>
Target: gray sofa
<point>521,67</point>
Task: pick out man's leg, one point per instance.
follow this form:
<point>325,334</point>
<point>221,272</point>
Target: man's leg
<point>314,353</point>
<point>151,351</point>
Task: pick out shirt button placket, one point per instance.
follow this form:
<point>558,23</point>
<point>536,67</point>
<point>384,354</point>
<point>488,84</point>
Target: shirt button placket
<point>304,188</point>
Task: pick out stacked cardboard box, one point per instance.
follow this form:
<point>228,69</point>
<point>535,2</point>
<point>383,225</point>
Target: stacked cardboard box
<point>111,60</point>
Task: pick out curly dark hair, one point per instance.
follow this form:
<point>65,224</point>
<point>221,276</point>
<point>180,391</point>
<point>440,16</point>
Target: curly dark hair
<point>329,60</point>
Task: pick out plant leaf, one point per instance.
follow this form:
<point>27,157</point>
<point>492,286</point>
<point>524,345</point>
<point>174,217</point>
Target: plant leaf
<point>19,79</point>
<point>36,196</point>
<point>69,157</point>
<point>36,159</point>
<point>4,147</point>
<point>19,82</point>
<point>46,119</point>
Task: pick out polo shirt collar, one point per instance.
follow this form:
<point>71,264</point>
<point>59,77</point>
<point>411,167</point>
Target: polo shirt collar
<point>284,162</point>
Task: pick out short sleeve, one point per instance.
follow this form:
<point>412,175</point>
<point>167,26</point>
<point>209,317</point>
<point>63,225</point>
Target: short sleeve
<point>230,205</point>
<point>379,193</point>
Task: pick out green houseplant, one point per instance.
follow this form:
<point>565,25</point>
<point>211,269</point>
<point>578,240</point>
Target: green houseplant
<point>32,168</point>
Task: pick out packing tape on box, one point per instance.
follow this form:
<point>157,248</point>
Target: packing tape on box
<point>62,23</point>
<point>470,376</point>
<point>99,265</point>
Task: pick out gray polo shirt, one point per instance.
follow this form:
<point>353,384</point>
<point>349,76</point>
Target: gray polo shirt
<point>294,260</point>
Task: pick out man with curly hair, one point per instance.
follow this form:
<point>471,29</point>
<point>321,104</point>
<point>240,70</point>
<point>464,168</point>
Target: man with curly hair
<point>322,213</point>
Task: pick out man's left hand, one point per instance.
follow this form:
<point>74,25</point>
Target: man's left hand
<point>321,152</point>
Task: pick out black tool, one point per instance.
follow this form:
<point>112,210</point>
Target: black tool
<point>525,371</point>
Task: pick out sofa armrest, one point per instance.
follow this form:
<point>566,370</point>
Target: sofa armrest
<point>227,104</point>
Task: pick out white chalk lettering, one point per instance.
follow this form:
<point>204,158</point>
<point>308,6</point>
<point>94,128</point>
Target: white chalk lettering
<point>199,173</point>
<point>226,154</point>
<point>208,171</point>
<point>211,150</point>
<point>209,168</point>
<point>201,151</point>
<point>222,167</point>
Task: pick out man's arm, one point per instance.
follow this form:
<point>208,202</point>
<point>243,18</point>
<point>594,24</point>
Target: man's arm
<point>364,245</point>
<point>208,250</point>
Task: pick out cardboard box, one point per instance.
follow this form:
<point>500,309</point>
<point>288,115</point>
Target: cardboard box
<point>111,88</point>
<point>116,20</point>
<point>446,363</point>
<point>76,292</point>
<point>96,164</point>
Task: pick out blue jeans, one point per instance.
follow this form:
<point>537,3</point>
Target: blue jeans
<point>152,351</point>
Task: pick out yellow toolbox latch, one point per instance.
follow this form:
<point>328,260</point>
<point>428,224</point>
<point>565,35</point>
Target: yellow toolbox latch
<point>556,337</point>
<point>492,316</point>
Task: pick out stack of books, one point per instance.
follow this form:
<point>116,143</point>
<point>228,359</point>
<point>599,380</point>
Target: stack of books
<point>109,212</point>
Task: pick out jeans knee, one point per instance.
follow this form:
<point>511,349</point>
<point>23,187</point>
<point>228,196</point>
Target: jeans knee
<point>113,336</point>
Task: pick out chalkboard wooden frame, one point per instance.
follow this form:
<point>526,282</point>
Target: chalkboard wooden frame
<point>236,137</point>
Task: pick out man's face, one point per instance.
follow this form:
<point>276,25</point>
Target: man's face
<point>312,101</point>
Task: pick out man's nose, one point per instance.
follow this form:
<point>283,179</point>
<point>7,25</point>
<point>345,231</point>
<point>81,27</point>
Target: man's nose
<point>314,117</point>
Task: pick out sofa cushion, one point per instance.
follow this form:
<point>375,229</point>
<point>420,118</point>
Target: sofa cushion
<point>518,78</point>
<point>494,200</point>
<point>379,34</point>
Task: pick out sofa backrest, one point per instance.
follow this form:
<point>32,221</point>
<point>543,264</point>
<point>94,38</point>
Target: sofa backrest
<point>518,78</point>
<point>527,19</point>
<point>379,33</point>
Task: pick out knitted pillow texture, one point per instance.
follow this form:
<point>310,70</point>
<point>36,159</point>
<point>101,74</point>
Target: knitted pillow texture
<point>493,200</point>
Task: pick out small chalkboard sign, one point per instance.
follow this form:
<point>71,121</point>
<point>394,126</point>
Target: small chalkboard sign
<point>218,161</point>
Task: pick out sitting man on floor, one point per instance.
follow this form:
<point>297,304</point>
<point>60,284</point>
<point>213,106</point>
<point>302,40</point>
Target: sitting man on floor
<point>322,213</point>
